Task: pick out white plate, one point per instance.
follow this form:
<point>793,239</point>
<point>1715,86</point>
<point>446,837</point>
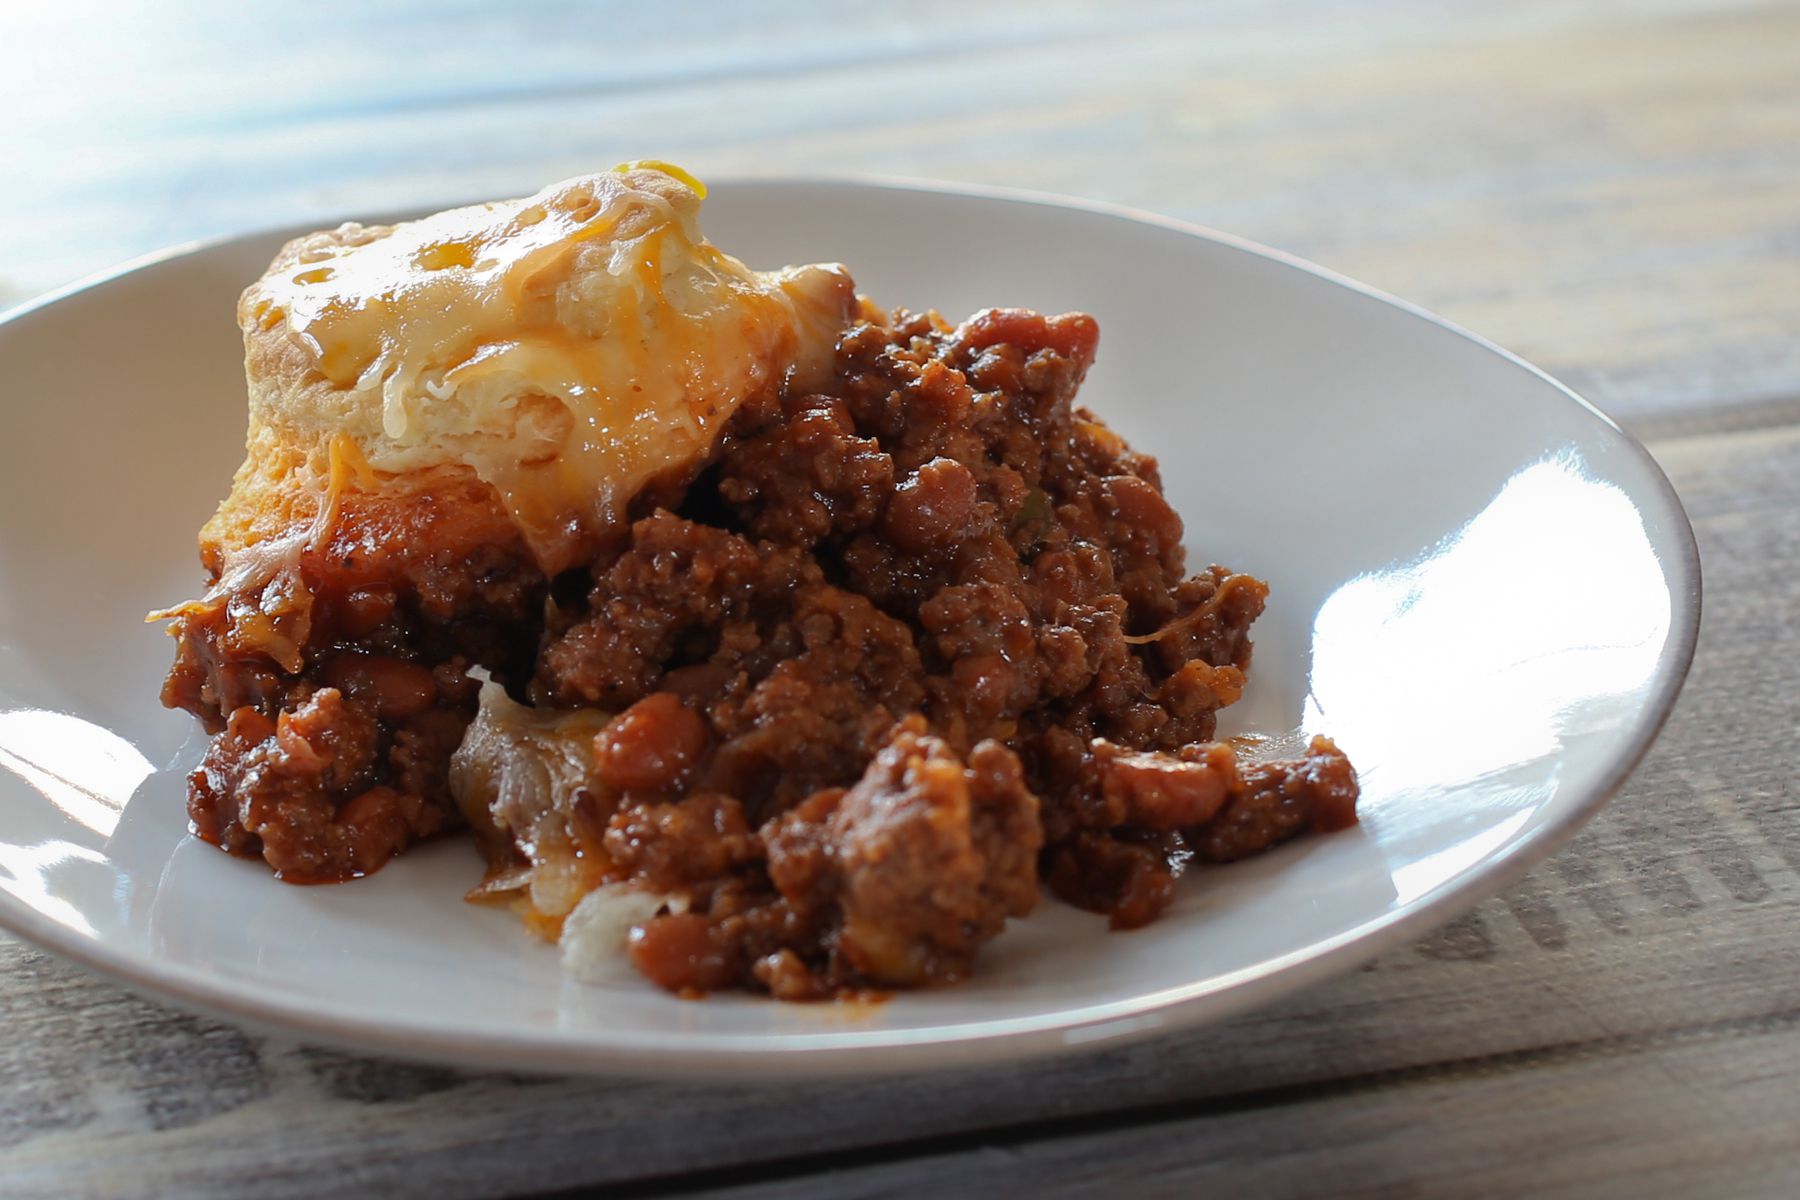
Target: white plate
<point>1482,588</point>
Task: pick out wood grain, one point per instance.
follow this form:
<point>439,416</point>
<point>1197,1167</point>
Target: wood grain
<point>1611,188</point>
<point>1682,1113</point>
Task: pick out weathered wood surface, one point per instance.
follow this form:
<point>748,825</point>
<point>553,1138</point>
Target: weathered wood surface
<point>1612,189</point>
<point>1605,186</point>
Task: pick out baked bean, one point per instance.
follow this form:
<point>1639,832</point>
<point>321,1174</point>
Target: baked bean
<point>360,612</point>
<point>650,746</point>
<point>396,688</point>
<point>932,507</point>
<point>677,951</point>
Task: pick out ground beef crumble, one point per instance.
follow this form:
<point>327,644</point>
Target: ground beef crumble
<point>907,646</point>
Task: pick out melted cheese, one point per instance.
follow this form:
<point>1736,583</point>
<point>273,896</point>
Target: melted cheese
<point>569,347</point>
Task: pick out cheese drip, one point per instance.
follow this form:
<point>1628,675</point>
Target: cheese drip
<point>569,347</point>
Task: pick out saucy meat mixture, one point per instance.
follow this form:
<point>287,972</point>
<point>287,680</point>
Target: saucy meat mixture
<point>909,646</point>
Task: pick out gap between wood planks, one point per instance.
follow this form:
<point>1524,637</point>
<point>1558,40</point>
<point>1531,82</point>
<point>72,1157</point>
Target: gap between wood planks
<point>1749,415</point>
<point>795,1169</point>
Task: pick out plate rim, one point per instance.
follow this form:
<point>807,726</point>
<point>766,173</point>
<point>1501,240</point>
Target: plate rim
<point>867,1052</point>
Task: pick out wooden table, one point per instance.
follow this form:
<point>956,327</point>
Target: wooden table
<point>1610,188</point>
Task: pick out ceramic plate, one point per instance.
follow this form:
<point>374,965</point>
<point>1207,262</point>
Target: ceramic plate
<point>1482,589</point>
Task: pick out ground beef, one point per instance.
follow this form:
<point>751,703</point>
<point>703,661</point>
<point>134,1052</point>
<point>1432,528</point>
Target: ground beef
<point>383,689</point>
<point>918,863</point>
<point>1275,801</point>
<point>906,646</point>
<point>300,792</point>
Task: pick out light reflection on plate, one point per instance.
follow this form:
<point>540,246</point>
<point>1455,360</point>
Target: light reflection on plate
<point>1481,588</point>
<point>1540,618</point>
